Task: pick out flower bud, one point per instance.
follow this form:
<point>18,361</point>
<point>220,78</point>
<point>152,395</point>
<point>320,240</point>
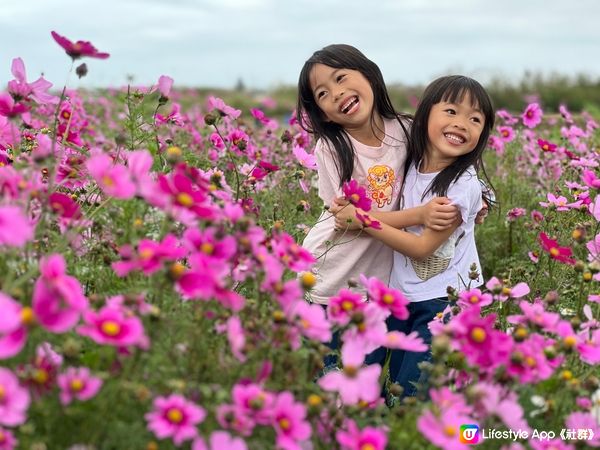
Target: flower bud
<point>210,118</point>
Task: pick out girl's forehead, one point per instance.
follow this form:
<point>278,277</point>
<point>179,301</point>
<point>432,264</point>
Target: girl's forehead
<point>320,73</point>
<point>463,97</point>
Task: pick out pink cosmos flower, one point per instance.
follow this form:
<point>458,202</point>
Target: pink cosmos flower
<point>306,159</point>
<point>535,314</point>
<point>550,444</point>
<point>77,383</point>
<point>15,228</point>
<point>113,178</point>
<point>367,221</point>
<point>310,320</point>
<point>112,326</point>
<point>220,440</point>
<point>78,49</point>
<point>353,438</point>
<point>7,440</point>
<point>164,85</point>
<point>507,134</point>
<point>585,421</point>
<point>222,107</point>
<point>343,305</point>
<point>289,421</point>
<point>64,206</point>
<point>9,108</point>
<point>515,213</point>
<point>386,297</point>
<point>368,332</point>
<point>559,202</point>
<point>294,256</point>
<point>149,257</point>
<point>139,163</point>
<point>356,195</point>
<point>594,208</point>
<point>236,337</point>
<point>175,417</point>
<point>411,342</point>
<point>58,298</point>
<point>474,297</point>
<point>532,116</point>
<point>590,179</point>
<point>41,373</point>
<point>254,401</point>
<point>497,144</point>
<point>354,383</point>
<point>14,400</point>
<point>232,417</point>
<point>443,429</point>
<point>209,244</point>
<point>495,400</point>
<point>528,362</point>
<point>478,340</point>
<point>13,334</point>
<point>20,89</point>
<point>561,254</point>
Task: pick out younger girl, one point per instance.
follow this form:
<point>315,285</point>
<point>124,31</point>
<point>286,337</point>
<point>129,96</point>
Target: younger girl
<point>450,130</point>
<point>344,103</point>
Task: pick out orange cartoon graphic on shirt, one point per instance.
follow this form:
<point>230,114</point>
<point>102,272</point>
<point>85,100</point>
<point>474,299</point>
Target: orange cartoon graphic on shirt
<point>381,184</point>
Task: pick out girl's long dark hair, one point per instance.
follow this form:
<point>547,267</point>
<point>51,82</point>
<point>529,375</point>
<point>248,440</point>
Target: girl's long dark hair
<point>311,118</point>
<point>452,89</point>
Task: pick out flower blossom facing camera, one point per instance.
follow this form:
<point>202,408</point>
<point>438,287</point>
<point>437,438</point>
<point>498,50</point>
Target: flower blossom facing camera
<point>356,195</point>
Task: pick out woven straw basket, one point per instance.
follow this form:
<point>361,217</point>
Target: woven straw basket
<point>430,266</point>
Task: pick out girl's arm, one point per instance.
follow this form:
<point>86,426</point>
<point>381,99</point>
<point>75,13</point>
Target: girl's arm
<point>411,245</point>
<point>437,214</point>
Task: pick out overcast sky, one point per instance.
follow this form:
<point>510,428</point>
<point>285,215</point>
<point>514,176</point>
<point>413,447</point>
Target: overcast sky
<point>265,42</point>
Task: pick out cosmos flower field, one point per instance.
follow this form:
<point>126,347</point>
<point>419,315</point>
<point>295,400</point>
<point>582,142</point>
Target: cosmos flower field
<point>152,284</point>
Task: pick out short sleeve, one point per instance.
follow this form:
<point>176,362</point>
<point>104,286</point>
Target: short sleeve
<point>465,193</point>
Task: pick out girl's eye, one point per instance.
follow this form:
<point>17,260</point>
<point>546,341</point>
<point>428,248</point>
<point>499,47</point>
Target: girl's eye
<point>320,95</point>
<point>450,111</point>
<point>340,77</point>
<point>476,119</point>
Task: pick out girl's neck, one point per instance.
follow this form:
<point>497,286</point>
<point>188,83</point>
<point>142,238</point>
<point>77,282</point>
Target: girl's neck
<point>431,164</point>
<point>372,133</point>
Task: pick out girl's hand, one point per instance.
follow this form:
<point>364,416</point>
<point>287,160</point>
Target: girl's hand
<point>483,212</point>
<point>345,217</point>
<point>438,214</point>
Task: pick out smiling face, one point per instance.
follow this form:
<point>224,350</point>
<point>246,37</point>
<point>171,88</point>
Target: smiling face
<point>453,129</point>
<point>345,96</point>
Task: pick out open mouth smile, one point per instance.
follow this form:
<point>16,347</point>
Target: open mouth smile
<point>455,138</point>
<point>349,105</point>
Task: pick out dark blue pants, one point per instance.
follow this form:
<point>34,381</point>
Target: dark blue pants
<point>404,366</point>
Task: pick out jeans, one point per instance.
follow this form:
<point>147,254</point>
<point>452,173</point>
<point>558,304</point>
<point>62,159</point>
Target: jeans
<point>404,366</point>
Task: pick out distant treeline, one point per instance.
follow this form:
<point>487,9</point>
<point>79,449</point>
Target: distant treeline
<point>579,93</point>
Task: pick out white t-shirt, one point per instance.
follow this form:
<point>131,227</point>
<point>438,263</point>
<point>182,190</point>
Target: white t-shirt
<point>379,170</point>
<point>449,265</point>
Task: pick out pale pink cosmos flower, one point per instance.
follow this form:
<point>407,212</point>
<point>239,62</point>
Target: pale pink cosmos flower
<point>305,159</point>
<point>149,257</point>
<point>220,440</point>
<point>58,298</point>
<point>289,422</point>
<point>443,429</point>
<point>535,314</point>
<point>506,134</point>
<point>370,331</point>
<point>254,401</point>
<point>354,383</point>
<point>550,444</point>
<point>15,228</point>
<point>310,320</point>
<point>13,334</point>
<point>112,178</point>
<point>175,417</point>
<point>164,85</point>
<point>77,383</point>
<point>495,400</point>
<point>411,342</point>
<point>560,202</point>
<point>7,440</point>
<point>139,163</point>
<point>353,438</point>
<point>528,362</point>
<point>532,116</point>
<point>594,208</point>
<point>112,326</point>
<point>386,297</point>
<point>585,421</point>
<point>474,297</point>
<point>14,400</point>
<point>236,337</point>
<point>233,417</point>
<point>222,107</point>
<point>21,89</point>
<point>515,213</point>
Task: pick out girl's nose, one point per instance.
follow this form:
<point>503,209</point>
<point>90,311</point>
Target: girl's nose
<point>339,94</point>
<point>459,124</point>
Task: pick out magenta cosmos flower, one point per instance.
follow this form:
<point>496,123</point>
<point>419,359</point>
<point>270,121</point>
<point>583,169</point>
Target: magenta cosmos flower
<point>112,326</point>
<point>175,417</point>
<point>357,195</point>
<point>561,254</point>
<point>14,400</point>
<point>78,49</point>
<point>112,178</point>
<point>532,116</point>
<point>387,298</point>
<point>13,334</point>
<point>20,89</point>
<point>7,440</point>
<point>78,383</point>
<point>58,298</point>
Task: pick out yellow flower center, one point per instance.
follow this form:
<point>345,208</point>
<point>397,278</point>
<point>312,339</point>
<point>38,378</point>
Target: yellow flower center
<point>530,361</point>
<point>505,290</point>
<point>450,430</point>
<point>474,299</point>
<point>108,181</point>
<point>388,299</point>
<point>27,316</point>
<point>2,392</point>
<point>545,147</point>
<point>110,328</point>
<point>284,424</point>
<point>175,415</point>
<point>207,248</point>
<point>367,446</point>
<point>350,371</point>
<point>314,400</point>
<point>305,324</point>
<point>185,199</point>
<point>308,280</point>
<point>2,436</point>
<point>478,334</point>
<point>146,254</point>
<point>354,198</point>
<point>177,270</point>
<point>40,376</point>
<point>76,384</point>
<point>570,341</point>
<point>554,251</point>
<point>174,151</point>
<point>566,375</point>
<point>347,305</point>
